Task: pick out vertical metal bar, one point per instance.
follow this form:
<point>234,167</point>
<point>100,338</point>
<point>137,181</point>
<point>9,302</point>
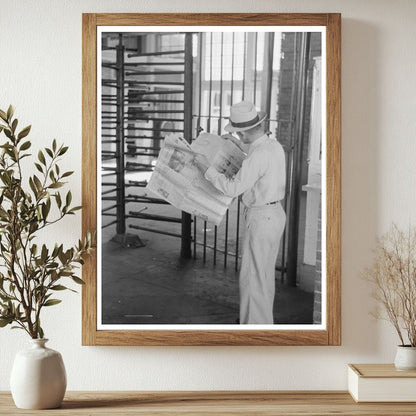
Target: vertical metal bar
<point>227,214</point>
<point>201,49</point>
<point>195,237</point>
<point>232,69</point>
<point>290,150</point>
<point>205,242</point>
<point>297,156</point>
<point>221,82</point>
<point>267,75</point>
<point>226,239</point>
<point>237,243</point>
<point>201,38</point>
<point>255,68</point>
<point>219,132</point>
<point>186,239</point>
<point>215,244</point>
<point>208,129</point>
<point>244,66</point>
<point>210,87</point>
<point>120,180</point>
<point>285,232</point>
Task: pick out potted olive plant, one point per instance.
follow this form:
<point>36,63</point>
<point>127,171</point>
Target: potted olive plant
<point>31,272</point>
<point>393,277</point>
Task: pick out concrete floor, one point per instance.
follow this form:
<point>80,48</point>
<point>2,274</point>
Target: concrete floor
<point>152,285</point>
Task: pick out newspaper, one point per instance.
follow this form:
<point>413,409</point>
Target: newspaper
<point>177,180</point>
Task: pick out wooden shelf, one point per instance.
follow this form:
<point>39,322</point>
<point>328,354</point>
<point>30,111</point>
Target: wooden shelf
<point>268,403</point>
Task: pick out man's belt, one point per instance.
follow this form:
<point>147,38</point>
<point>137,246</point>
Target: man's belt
<point>259,206</point>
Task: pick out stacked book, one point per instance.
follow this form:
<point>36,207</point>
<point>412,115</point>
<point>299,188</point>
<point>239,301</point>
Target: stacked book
<point>381,383</point>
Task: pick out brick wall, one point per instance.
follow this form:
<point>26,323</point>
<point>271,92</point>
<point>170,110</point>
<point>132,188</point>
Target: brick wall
<point>286,83</point>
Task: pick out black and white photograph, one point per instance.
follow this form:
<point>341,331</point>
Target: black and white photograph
<point>211,158</point>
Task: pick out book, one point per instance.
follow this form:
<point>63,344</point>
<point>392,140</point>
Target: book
<point>381,383</point>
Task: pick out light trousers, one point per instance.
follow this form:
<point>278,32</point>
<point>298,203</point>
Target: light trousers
<point>264,229</point>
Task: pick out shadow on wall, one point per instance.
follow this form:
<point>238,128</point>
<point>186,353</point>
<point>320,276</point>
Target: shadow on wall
<point>361,121</point>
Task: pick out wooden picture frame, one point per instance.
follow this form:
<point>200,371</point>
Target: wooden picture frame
<point>331,334</point>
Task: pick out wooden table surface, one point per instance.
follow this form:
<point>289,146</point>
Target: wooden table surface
<point>212,403</point>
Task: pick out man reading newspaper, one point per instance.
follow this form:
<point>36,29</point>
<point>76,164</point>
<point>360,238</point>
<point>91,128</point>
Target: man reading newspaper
<point>261,182</point>
<point>177,180</point>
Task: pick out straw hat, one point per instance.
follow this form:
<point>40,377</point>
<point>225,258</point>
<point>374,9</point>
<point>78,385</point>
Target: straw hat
<point>244,116</point>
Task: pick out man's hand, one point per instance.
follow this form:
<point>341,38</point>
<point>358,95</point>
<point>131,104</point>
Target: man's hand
<point>228,136</point>
<point>201,162</point>
<point>234,139</point>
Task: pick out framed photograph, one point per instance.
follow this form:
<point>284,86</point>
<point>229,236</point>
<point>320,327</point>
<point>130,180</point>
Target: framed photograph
<point>211,172</point>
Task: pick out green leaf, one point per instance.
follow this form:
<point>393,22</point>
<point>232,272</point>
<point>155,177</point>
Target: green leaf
<point>54,145</point>
<point>37,182</point>
<point>39,167</point>
<point>10,112</point>
<point>4,298</point>
<point>5,321</point>
<point>56,185</point>
<point>55,251</point>
<point>59,287</point>
<point>51,302</point>
<point>41,157</point>
<point>33,187</point>
<point>24,132</point>
<point>14,125</point>
<point>3,115</point>
<point>62,257</point>
<point>34,249</point>
<point>67,174</point>
<point>49,152</point>
<point>45,211</point>
<point>44,253</point>
<point>40,332</point>
<point>25,145</point>
<point>8,133</point>
<point>76,279</point>
<point>63,150</point>
<point>25,155</point>
<point>58,199</point>
<point>68,198</point>
<point>77,208</point>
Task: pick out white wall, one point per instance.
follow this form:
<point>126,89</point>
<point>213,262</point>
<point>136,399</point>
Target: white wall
<point>40,73</point>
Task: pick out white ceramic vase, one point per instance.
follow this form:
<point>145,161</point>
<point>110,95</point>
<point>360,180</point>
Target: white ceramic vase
<point>405,358</point>
<point>38,378</point>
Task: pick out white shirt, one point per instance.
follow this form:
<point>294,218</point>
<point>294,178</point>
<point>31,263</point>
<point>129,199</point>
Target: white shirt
<point>261,178</point>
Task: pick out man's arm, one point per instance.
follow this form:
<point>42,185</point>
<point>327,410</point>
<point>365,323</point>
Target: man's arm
<point>251,170</point>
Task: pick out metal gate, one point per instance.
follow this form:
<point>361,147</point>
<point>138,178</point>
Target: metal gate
<point>157,83</point>
<point>146,94</point>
